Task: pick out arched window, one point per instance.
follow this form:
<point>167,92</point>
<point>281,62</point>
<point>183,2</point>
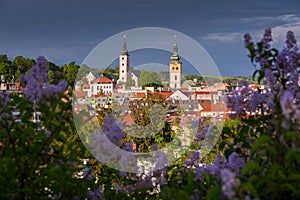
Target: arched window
<point>175,77</point>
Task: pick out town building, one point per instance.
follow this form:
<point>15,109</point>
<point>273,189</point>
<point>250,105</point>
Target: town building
<point>101,85</point>
<point>124,64</point>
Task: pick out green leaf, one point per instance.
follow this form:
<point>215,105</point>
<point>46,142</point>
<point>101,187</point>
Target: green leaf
<point>214,193</point>
<point>250,167</point>
<point>183,195</point>
<point>263,139</point>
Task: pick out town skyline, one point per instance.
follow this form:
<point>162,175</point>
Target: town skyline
<point>67,31</point>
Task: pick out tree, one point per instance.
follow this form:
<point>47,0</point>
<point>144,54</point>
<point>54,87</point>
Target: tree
<point>149,78</point>
<point>55,73</point>
<point>22,65</point>
<point>7,70</point>
<point>70,72</point>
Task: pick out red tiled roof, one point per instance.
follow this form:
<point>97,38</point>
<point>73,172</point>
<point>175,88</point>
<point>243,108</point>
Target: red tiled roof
<point>218,107</point>
<point>79,94</point>
<point>206,92</point>
<point>163,94</point>
<point>102,80</point>
<point>98,95</point>
<point>140,95</point>
<point>128,119</point>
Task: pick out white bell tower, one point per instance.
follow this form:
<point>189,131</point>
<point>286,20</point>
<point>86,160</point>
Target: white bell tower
<point>124,63</point>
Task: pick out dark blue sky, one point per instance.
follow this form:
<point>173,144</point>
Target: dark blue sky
<point>67,30</point>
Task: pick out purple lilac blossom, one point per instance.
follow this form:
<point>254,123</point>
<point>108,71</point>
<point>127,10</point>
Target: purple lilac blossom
<point>193,159</point>
<point>229,183</point>
<point>247,39</point>
<point>291,41</point>
<point>235,163</point>
<point>112,130</point>
<point>154,147</point>
<point>37,82</point>
<point>4,100</point>
<point>255,100</point>
<point>96,194</point>
<point>290,110</point>
<point>267,38</point>
<point>128,147</point>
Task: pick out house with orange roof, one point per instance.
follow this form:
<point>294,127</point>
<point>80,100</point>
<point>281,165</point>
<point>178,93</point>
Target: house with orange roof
<point>219,109</point>
<point>80,94</point>
<point>101,85</point>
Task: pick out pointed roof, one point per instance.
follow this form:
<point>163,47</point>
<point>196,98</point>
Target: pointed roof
<point>124,50</point>
<point>175,55</point>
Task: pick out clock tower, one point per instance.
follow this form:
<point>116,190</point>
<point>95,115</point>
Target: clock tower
<point>175,68</point>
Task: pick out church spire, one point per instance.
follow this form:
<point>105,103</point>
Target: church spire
<point>124,50</point>
<point>175,50</point>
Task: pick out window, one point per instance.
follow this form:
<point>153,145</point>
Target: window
<point>173,68</point>
<point>122,58</point>
<point>122,64</point>
<point>176,68</point>
<point>175,77</point>
<point>122,71</point>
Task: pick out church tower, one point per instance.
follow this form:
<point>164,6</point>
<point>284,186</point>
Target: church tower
<point>124,64</point>
<point>175,68</point>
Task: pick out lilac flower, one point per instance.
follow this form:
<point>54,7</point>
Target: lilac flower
<point>229,183</point>
<point>267,38</point>
<point>217,165</point>
<point>193,159</point>
<point>292,83</point>
<point>37,82</point>
<point>96,194</point>
<point>196,195</point>
<point>128,147</point>
<point>247,39</point>
<point>291,41</point>
<point>4,100</point>
<point>202,132</point>
<point>154,147</point>
<point>255,100</point>
<point>112,130</point>
<point>235,162</point>
<point>200,170</point>
<point>290,109</point>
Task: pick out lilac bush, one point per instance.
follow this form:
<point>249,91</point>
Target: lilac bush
<point>37,82</point>
<point>37,158</point>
